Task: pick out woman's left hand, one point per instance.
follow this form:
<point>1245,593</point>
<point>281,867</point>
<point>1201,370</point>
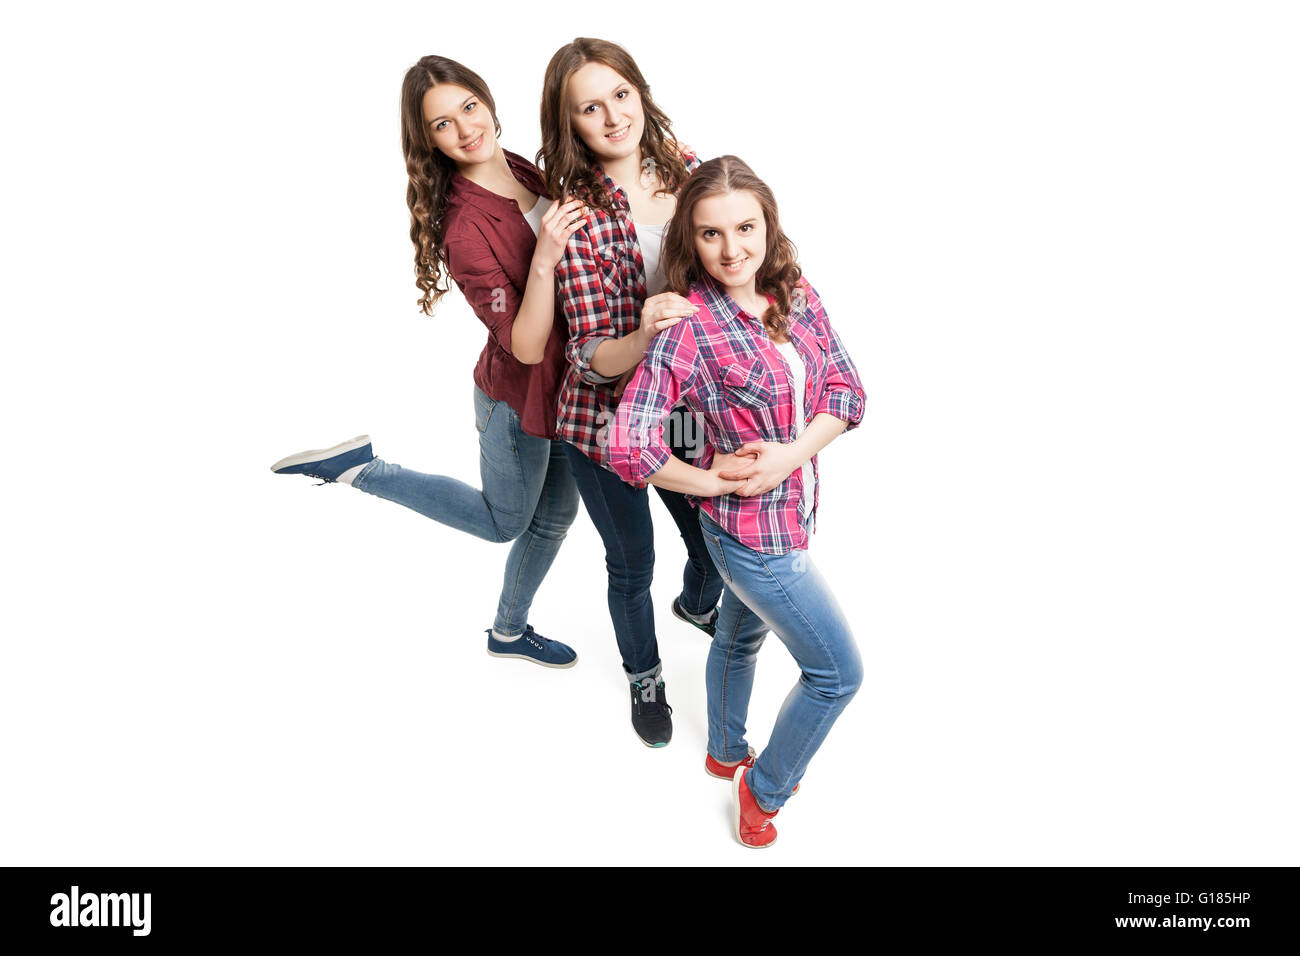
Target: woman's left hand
<point>770,464</point>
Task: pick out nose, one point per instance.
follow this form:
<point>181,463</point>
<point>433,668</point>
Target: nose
<point>462,129</point>
<point>730,247</point>
<point>612,115</point>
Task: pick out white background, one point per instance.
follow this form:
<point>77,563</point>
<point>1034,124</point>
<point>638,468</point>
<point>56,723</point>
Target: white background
<point>1060,241</point>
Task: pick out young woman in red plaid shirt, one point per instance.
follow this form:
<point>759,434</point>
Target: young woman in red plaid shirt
<point>606,142</point>
<point>481,216</point>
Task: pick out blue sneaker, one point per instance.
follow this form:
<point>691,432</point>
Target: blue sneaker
<point>327,463</point>
<point>531,646</point>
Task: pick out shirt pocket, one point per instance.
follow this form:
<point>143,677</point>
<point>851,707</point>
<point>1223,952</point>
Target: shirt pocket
<point>746,382</point>
<point>612,263</point>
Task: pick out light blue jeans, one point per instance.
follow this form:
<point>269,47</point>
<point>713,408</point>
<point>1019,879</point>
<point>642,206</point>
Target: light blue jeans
<point>786,594</point>
<point>528,497</point>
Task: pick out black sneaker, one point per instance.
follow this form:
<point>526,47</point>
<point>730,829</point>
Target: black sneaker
<point>651,716</point>
<point>710,628</point>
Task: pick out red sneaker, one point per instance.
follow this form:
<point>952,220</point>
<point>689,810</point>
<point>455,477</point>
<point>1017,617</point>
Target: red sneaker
<point>753,826</point>
<point>723,772</point>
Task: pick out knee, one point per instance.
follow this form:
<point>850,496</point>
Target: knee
<point>841,676</point>
<point>631,571</point>
<point>508,526</point>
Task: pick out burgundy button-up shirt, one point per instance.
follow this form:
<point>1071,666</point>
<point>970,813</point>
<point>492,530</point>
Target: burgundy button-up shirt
<point>489,248</point>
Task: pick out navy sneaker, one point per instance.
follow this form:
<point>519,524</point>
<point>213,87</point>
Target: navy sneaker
<point>652,718</point>
<point>710,627</point>
<point>531,646</point>
<point>327,463</point>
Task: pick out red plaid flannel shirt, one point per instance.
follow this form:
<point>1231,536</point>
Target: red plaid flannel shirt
<point>602,286</point>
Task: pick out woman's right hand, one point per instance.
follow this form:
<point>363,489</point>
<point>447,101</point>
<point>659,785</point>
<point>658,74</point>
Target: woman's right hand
<point>663,311</point>
<point>560,222</point>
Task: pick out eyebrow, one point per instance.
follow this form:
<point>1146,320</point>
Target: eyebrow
<point>719,229</point>
<point>611,93</point>
<point>462,106</point>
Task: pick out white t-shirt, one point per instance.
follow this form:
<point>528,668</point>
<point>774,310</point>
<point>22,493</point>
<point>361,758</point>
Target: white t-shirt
<point>798,379</point>
<point>652,240</point>
<point>534,215</point>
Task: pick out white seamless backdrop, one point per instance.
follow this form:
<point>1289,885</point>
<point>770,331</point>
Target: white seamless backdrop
<point>1059,241</point>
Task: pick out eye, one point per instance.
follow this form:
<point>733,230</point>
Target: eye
<point>470,106</point>
<point>589,108</point>
<point>440,126</point>
<point>622,93</point>
<point>747,227</point>
<point>709,233</point>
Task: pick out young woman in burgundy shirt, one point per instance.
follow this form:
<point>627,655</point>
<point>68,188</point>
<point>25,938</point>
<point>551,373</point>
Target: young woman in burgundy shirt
<point>482,216</point>
<point>605,141</point>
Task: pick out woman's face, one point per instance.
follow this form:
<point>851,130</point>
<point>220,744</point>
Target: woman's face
<point>606,112</point>
<point>459,124</point>
<point>730,237</point>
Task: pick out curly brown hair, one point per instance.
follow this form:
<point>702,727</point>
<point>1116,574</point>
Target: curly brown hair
<point>779,272</point>
<point>430,171</point>
<point>569,167</point>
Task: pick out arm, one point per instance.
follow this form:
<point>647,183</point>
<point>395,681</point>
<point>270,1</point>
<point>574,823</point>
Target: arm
<point>842,395</point>
<point>637,451</point>
<point>594,349</point>
<point>536,316</point>
<point>767,463</point>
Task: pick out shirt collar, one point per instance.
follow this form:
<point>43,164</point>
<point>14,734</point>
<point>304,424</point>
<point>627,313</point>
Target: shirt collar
<point>721,304</point>
<point>488,202</point>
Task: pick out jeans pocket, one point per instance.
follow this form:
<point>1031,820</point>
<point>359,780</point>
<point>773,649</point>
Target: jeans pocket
<point>483,409</point>
<point>714,547</point>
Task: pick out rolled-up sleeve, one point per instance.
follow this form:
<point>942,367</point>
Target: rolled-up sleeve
<point>484,283</point>
<point>667,373</point>
<point>842,394</point>
<point>582,297</point>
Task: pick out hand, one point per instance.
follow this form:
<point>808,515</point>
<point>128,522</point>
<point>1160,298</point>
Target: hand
<point>717,485</point>
<point>660,312</point>
<point>769,464</point>
<point>560,222</point>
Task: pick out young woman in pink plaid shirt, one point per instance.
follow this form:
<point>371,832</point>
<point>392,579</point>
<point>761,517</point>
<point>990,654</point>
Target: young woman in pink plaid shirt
<point>762,365</point>
<point>606,142</point>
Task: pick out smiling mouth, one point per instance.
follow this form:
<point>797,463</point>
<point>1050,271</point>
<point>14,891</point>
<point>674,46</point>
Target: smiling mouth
<point>475,144</point>
<point>734,267</point>
<point>619,134</point>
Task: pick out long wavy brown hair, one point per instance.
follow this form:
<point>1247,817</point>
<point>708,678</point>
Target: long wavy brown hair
<point>430,171</point>
<point>568,165</point>
<point>779,272</point>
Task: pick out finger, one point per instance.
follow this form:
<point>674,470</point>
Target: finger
<point>665,324</point>
<point>738,474</point>
<point>750,448</point>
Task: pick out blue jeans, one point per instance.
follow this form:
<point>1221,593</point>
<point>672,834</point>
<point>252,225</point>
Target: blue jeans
<point>786,593</point>
<point>621,514</point>
<point>528,497</point>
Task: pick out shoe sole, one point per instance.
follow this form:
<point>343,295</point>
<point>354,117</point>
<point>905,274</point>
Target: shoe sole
<point>525,657</point>
<point>361,441</point>
<point>735,816</point>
